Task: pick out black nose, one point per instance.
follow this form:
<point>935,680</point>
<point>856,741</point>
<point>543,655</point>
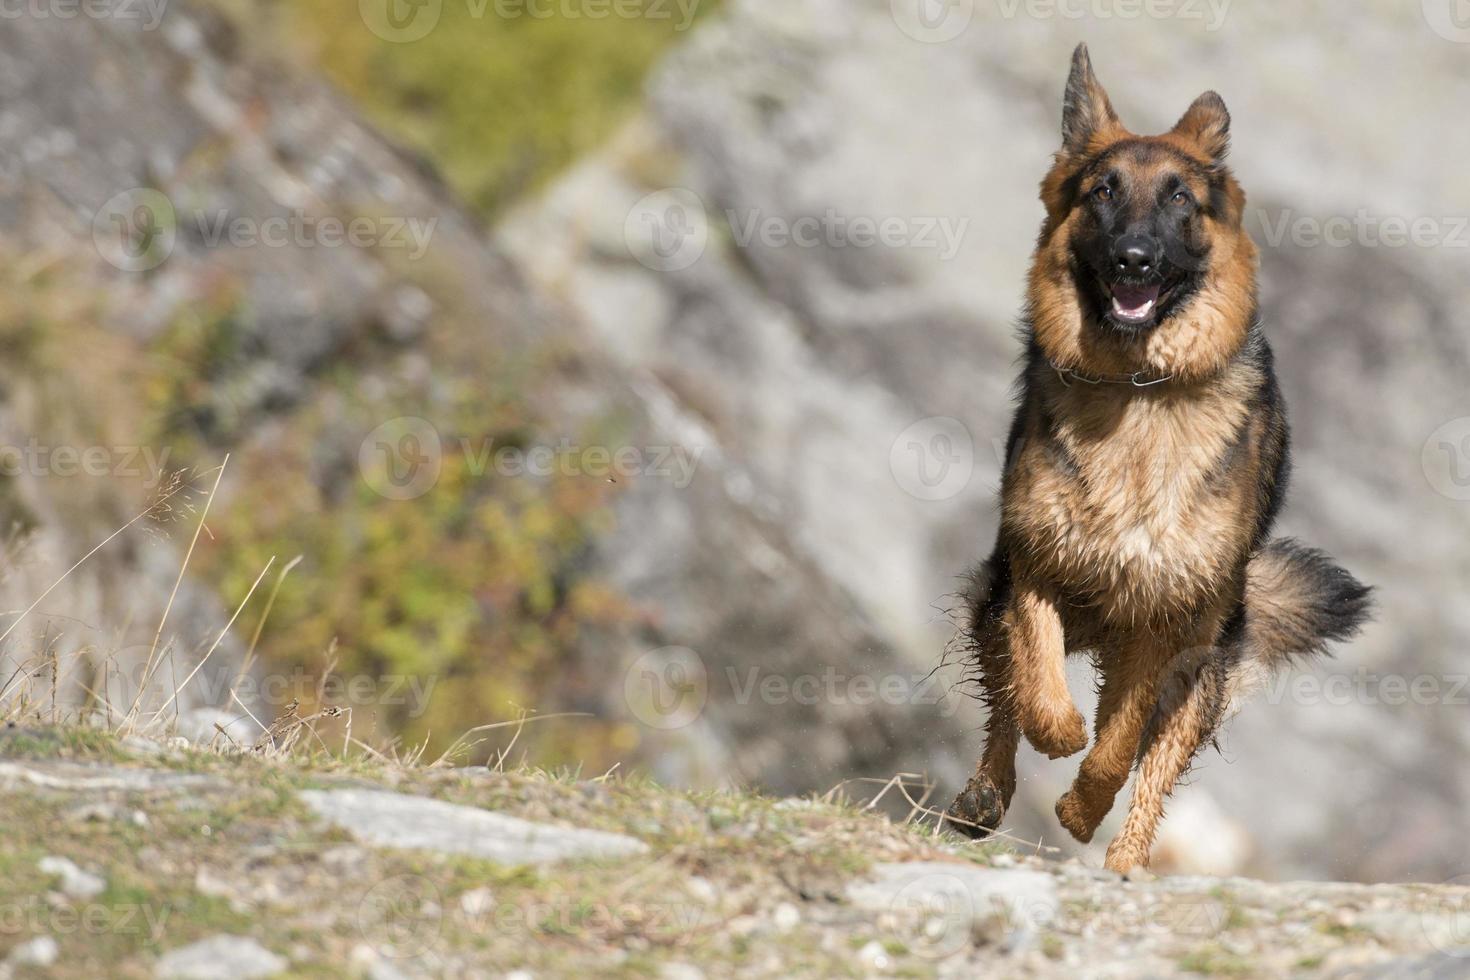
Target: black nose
<point>1135,254</point>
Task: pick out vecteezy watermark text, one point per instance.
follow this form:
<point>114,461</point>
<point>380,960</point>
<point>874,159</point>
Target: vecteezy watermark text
<point>835,687</point>
<point>38,459</point>
<point>1364,229</point>
<point>405,21</point>
<point>938,21</point>
<point>668,688</point>
<point>1369,687</point>
<point>34,916</point>
<point>403,458</point>
<point>941,234</point>
<point>138,230</point>
<point>148,13</point>
<point>668,230</point>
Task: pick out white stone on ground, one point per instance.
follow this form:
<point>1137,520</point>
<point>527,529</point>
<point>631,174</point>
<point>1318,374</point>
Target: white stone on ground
<point>418,823</point>
<point>942,907</point>
<point>39,952</point>
<point>75,883</point>
<point>220,958</point>
<point>79,776</point>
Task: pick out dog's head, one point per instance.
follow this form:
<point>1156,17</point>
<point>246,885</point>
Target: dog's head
<point>1143,263</point>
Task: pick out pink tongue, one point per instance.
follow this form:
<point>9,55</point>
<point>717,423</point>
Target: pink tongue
<point>1132,299</point>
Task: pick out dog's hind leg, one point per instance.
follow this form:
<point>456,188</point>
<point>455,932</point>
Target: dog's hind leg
<point>1296,602</point>
<point>1131,675</point>
<point>1187,714</point>
<point>981,806</point>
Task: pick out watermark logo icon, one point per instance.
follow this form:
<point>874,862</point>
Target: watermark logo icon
<point>667,230</point>
<point>402,916</point>
<point>933,459</point>
<point>932,21</point>
<point>136,231</point>
<point>1447,921</point>
<point>934,916</point>
<point>1450,19</point>
<point>667,688</point>
<point>400,21</point>
<point>401,459</point>
<point>1446,459</point>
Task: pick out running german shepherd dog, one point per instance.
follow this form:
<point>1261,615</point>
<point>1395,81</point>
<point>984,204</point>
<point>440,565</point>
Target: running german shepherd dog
<point>1144,469</point>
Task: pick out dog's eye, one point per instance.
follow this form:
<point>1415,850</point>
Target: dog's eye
<point>1103,193</point>
<point>1180,197</point>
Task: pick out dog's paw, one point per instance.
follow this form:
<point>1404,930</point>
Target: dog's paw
<point>1127,859</point>
<point>1056,733</point>
<point>978,809</point>
<point>1080,820</point>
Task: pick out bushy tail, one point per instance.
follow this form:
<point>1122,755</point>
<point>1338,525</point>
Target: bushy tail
<point>1297,601</point>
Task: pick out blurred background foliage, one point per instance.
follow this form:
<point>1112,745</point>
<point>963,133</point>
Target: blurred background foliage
<point>475,585</point>
<point>498,104</point>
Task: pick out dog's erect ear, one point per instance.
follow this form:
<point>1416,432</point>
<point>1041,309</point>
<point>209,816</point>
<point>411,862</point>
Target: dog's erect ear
<point>1085,108</point>
<point>1206,123</point>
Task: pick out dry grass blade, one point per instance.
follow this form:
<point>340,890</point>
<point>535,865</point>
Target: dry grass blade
<point>920,809</point>
<point>83,560</point>
<point>270,602</point>
<point>179,581</point>
<point>217,641</point>
<point>459,743</point>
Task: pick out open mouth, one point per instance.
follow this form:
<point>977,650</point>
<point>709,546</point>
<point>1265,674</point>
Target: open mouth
<point>1133,304</point>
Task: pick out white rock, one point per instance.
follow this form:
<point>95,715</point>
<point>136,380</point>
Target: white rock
<point>75,883</point>
<point>938,909</point>
<point>477,902</point>
<point>418,823</point>
<point>39,952</point>
<point>76,776</point>
<point>786,917</point>
<point>1029,896</point>
<point>220,958</point>
<point>874,957</point>
<point>701,889</point>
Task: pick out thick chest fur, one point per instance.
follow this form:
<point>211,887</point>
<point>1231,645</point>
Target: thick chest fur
<point>1136,503</point>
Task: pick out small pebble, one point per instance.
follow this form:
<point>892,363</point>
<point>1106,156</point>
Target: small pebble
<point>702,890</point>
<point>874,956</point>
<point>786,917</point>
<point>75,883</point>
<point>477,902</point>
<point>221,957</point>
<point>39,952</point>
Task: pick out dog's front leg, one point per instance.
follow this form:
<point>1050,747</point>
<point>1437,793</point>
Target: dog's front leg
<point>1044,708</point>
